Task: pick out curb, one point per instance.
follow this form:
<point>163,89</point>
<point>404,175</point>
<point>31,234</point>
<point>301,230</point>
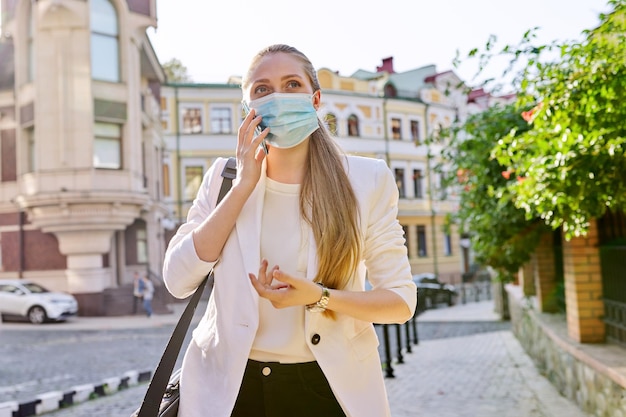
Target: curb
<point>55,400</point>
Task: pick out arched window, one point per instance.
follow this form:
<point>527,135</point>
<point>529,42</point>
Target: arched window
<point>331,123</point>
<point>353,125</point>
<point>390,90</point>
<point>105,43</point>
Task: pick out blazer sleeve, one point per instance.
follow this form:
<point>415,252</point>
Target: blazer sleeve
<point>183,270</point>
<point>385,252</point>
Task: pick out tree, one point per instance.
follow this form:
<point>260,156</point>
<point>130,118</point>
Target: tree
<point>572,159</point>
<point>176,72</point>
<point>569,159</point>
<point>555,158</point>
<point>501,234</point>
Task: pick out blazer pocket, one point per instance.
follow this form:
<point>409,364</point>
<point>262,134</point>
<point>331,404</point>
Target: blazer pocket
<point>365,343</point>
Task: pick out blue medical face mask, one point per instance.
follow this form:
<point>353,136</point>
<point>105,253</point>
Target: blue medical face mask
<point>291,118</point>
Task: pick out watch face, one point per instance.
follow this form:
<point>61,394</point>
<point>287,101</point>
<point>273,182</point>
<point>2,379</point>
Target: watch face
<point>321,304</point>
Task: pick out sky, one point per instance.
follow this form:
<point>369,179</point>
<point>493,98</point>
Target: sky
<point>216,39</point>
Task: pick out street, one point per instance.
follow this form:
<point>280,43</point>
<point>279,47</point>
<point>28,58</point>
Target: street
<point>462,367</point>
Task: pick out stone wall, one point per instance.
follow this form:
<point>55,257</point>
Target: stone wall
<point>591,375</point>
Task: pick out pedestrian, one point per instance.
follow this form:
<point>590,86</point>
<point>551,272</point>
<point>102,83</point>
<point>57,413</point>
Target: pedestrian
<point>288,329</point>
<point>137,291</point>
<point>147,295</point>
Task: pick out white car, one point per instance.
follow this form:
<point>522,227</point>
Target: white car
<point>24,298</point>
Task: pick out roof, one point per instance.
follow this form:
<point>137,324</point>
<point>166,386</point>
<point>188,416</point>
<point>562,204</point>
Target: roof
<point>201,85</point>
<point>366,75</point>
<point>478,93</point>
<point>409,83</point>
<point>433,77</point>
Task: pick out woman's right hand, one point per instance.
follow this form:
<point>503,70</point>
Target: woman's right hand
<point>249,152</point>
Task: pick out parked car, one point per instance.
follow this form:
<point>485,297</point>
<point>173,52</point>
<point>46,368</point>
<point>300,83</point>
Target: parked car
<point>431,292</point>
<point>26,299</point>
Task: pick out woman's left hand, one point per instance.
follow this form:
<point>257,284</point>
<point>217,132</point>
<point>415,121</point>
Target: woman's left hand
<point>287,291</point>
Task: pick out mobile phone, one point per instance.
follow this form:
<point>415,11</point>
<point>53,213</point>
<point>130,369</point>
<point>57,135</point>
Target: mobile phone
<point>257,130</point>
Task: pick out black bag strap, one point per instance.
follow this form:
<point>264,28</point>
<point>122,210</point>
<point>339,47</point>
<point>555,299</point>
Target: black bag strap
<point>163,372</point>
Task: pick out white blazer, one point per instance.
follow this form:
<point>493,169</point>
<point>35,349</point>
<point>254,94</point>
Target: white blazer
<point>345,348</point>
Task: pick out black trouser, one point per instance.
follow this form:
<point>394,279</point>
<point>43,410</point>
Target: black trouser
<point>272,389</point>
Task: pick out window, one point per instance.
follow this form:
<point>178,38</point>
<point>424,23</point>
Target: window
<point>193,179</point>
<point>10,289</point>
<point>421,242</point>
<point>142,246</point>
<point>220,120</point>
<point>353,125</point>
<point>405,229</point>
<point>399,173</point>
<point>107,148</point>
<point>447,244</point>
<point>192,120</point>
<point>29,146</point>
<point>396,129</point>
<point>166,180</point>
<point>105,52</point>
<point>331,123</point>
<point>390,90</point>
<point>415,131</point>
<point>418,186</point>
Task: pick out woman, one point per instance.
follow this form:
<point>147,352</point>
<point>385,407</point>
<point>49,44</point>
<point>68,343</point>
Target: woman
<point>288,329</point>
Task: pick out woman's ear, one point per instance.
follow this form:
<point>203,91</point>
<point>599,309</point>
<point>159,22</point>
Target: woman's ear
<point>317,99</point>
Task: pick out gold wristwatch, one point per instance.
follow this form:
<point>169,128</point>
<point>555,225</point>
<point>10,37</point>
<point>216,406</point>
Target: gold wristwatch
<point>322,303</point>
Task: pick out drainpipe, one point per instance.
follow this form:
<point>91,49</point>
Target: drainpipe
<point>386,134</point>
<point>20,239</point>
<point>429,171</point>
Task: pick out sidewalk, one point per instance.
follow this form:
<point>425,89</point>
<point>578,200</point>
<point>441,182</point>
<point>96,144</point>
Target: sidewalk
<point>139,321</point>
<point>474,311</point>
<point>486,375</point>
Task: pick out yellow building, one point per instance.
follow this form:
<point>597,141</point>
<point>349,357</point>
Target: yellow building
<point>381,115</point>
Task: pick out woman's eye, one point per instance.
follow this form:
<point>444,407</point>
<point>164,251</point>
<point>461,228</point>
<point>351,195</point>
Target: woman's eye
<point>293,84</point>
<point>260,90</point>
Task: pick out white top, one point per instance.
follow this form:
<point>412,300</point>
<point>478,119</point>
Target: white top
<point>280,336</point>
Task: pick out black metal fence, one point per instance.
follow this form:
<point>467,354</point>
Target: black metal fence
<point>398,340</point>
<point>474,291</point>
<point>614,288</point>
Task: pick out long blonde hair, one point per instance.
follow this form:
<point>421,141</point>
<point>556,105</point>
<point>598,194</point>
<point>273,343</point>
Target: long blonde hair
<point>327,201</point>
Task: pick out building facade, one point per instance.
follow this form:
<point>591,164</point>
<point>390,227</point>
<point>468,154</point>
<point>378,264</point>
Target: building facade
<point>380,114</point>
<point>81,146</point>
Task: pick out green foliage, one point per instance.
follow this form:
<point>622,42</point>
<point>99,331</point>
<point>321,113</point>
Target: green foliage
<point>501,234</point>
<point>572,158</point>
<point>176,72</point>
<point>569,155</point>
